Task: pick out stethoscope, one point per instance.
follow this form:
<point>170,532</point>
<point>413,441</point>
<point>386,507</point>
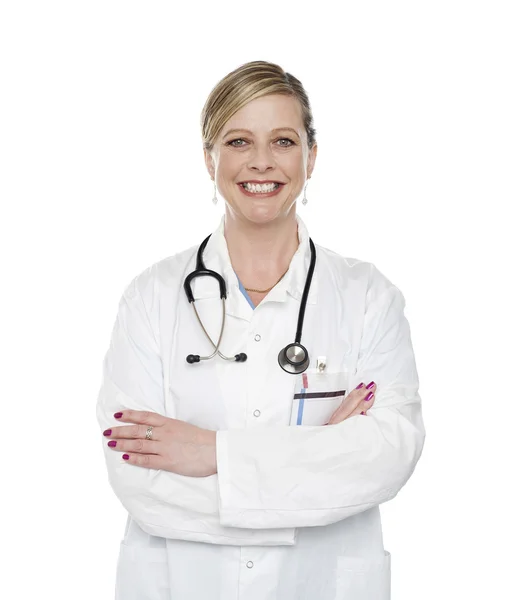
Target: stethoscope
<point>294,358</point>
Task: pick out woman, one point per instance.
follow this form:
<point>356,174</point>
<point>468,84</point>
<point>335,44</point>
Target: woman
<point>258,477</point>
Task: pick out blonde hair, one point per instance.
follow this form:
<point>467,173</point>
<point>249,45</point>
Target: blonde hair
<point>248,82</point>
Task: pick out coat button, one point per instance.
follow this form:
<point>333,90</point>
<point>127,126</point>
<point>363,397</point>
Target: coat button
<point>257,413</point>
<point>250,564</point>
<point>257,337</point>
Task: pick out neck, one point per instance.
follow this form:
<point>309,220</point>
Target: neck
<point>260,254</point>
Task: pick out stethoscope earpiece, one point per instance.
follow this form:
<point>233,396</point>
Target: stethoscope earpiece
<point>195,358</point>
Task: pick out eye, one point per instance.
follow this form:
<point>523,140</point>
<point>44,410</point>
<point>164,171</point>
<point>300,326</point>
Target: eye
<point>291,143</point>
<point>234,145</point>
<point>231,143</point>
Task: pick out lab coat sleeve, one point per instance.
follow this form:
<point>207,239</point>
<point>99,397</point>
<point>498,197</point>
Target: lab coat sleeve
<point>162,503</point>
<point>286,476</point>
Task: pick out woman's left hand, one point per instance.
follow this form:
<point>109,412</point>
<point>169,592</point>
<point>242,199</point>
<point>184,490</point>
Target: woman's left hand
<point>357,402</point>
<point>175,446</point>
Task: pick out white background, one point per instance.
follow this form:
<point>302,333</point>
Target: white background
<point>422,117</point>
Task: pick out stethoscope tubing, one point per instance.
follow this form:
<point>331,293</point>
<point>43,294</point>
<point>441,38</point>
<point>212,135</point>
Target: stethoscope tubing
<point>216,351</point>
<point>298,360</point>
<point>309,278</point>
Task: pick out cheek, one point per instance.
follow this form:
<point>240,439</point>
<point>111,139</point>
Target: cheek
<point>229,162</point>
<point>229,175</point>
<point>293,164</point>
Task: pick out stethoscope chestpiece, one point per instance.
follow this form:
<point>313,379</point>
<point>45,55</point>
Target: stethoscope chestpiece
<point>294,358</point>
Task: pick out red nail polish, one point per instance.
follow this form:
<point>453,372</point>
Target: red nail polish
<point>112,444</point>
<point>125,457</point>
<point>359,386</point>
<point>118,415</point>
<point>107,432</point>
<point>369,397</point>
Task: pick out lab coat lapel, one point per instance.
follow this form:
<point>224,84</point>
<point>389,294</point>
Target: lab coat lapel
<point>206,289</point>
<point>217,258</point>
<point>294,281</point>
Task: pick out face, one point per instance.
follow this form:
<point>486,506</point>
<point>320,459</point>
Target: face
<point>264,141</point>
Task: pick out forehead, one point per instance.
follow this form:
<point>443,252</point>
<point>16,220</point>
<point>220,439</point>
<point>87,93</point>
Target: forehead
<point>264,114</point>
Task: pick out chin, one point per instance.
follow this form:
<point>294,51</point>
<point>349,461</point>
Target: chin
<point>265,214</point>
<point>261,211</point>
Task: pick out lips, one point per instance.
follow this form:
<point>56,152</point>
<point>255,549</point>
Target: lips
<point>275,182</point>
<point>259,182</point>
<point>280,185</point>
<point>274,192</point>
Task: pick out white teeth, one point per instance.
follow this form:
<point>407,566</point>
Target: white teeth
<point>260,188</point>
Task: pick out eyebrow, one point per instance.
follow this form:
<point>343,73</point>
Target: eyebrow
<point>248,130</point>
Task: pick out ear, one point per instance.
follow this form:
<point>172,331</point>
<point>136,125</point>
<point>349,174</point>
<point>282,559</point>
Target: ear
<point>311,160</point>
<point>208,160</point>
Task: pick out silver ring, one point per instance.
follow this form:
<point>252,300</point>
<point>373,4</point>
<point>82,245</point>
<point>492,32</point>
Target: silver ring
<point>148,433</point>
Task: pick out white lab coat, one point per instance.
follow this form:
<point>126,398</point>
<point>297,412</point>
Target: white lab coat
<point>293,512</point>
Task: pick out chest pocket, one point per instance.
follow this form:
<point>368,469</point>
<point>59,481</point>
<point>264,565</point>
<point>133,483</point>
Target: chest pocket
<point>317,394</point>
<point>331,336</point>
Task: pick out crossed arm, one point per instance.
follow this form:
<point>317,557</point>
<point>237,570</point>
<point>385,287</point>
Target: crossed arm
<point>261,491</point>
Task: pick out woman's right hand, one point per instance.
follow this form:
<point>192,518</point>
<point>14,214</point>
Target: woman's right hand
<point>354,404</point>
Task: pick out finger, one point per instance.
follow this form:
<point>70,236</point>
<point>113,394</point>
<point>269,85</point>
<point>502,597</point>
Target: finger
<point>143,417</point>
<point>336,415</point>
<point>132,432</point>
<point>349,404</point>
<point>363,407</point>
<point>148,461</point>
<point>136,446</point>
<point>344,403</point>
<point>369,400</point>
<point>354,404</point>
<point>340,413</point>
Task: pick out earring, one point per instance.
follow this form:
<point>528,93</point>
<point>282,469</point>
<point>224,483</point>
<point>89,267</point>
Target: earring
<point>304,201</point>
<point>214,199</point>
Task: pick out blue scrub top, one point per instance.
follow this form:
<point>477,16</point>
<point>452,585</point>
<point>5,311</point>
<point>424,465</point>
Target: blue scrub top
<point>244,292</point>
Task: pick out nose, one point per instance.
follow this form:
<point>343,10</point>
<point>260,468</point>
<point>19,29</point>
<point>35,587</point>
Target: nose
<point>261,158</point>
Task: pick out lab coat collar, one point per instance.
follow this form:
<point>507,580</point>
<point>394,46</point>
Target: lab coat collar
<point>217,258</point>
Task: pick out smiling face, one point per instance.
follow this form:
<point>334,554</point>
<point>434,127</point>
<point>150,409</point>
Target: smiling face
<point>264,141</point>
